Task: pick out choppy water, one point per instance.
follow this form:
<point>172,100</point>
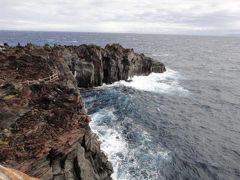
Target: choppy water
<point>183,124</point>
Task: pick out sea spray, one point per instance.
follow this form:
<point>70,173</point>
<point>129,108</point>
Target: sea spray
<point>163,83</point>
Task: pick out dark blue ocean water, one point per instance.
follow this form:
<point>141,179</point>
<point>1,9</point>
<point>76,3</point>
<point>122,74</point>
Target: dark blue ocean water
<point>182,124</point>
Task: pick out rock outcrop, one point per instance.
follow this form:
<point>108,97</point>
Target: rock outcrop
<point>44,127</point>
<point>93,65</point>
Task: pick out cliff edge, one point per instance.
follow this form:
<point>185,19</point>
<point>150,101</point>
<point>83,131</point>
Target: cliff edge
<point>44,127</point>
<point>93,65</point>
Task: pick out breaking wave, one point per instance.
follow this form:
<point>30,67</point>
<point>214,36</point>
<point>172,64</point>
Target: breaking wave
<point>167,83</point>
<point>128,150</point>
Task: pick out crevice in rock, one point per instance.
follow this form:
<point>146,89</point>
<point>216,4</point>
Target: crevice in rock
<point>77,169</point>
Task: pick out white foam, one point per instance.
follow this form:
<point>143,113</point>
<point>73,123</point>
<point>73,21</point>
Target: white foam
<point>122,155</point>
<point>160,55</point>
<point>163,83</point>
<point>167,82</point>
<point>113,144</point>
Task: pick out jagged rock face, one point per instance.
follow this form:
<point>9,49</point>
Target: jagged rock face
<point>94,65</point>
<point>90,64</point>
<point>44,127</point>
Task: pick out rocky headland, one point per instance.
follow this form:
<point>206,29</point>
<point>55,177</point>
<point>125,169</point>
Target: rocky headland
<point>44,126</point>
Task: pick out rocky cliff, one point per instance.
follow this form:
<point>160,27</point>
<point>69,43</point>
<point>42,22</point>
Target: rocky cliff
<point>93,65</point>
<point>44,129</point>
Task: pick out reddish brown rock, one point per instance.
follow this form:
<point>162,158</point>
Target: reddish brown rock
<point>43,124</point>
<point>44,129</point>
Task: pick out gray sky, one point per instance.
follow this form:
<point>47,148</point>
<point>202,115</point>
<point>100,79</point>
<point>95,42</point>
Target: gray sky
<point>137,16</point>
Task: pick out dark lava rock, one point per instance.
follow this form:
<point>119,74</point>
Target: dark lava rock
<point>93,65</point>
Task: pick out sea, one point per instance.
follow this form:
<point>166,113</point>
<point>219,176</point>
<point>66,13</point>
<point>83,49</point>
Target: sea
<point>183,124</point>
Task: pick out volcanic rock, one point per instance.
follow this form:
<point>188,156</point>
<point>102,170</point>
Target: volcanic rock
<point>44,127</point>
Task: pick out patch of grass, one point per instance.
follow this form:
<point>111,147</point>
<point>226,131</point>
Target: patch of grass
<point>94,46</point>
<point>91,46</point>
<point>46,45</point>
<point>14,92</point>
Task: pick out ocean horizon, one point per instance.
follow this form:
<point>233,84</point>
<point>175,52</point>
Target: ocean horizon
<point>181,124</point>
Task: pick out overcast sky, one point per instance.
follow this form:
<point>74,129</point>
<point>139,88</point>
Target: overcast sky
<point>140,16</point>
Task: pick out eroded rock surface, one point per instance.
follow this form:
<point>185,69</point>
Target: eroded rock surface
<point>93,65</point>
<point>44,127</point>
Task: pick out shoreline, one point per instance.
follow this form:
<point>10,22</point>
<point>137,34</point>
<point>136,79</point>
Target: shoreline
<point>45,123</point>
